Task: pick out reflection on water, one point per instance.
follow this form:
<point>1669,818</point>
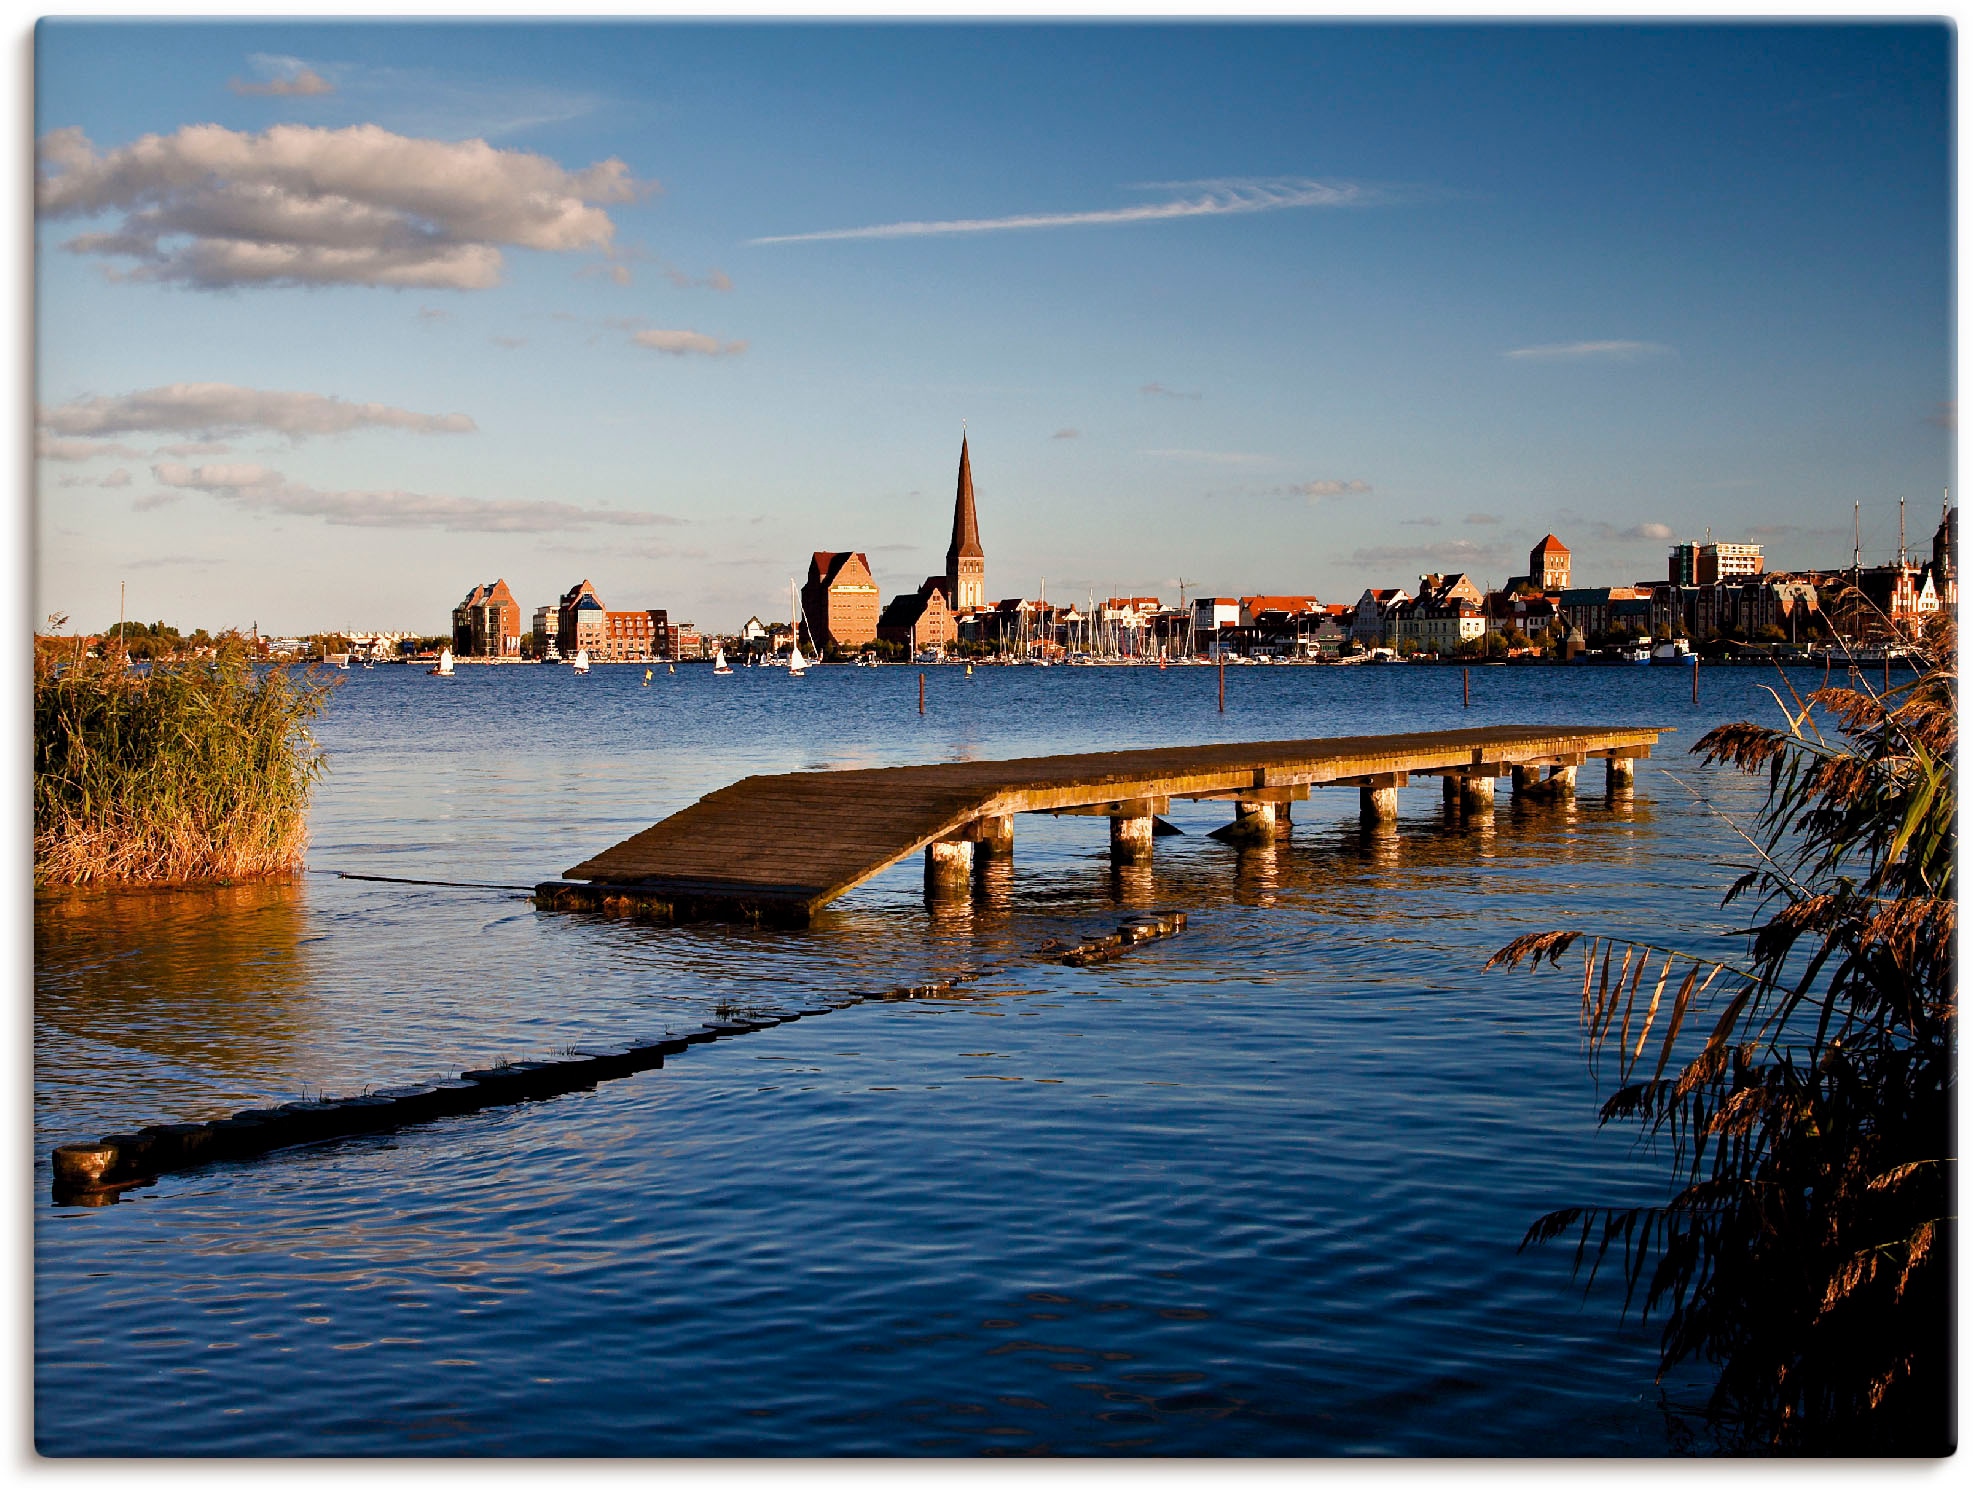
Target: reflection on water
<point>178,987</point>
<point>1253,1189</point>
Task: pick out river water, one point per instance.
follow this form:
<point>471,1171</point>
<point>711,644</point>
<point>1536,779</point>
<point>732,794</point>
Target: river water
<point>1253,1190</point>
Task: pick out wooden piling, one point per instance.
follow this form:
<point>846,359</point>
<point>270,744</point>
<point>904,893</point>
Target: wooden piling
<point>921,693</point>
<point>1466,686</point>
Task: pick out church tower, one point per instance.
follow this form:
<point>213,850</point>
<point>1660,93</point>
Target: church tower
<point>965,560</point>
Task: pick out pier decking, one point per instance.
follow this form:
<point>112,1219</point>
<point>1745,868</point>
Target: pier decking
<point>775,849</point>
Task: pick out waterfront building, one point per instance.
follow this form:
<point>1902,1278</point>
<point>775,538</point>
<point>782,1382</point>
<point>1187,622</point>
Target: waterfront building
<point>1214,614</point>
<point>1371,624</point>
<point>839,602</point>
<point>1945,559</point>
<point>1253,607</point>
<point>1719,563</point>
<point>1600,609</point>
<point>1684,566</point>
<point>546,628</point>
<point>918,621</point>
<point>578,618</point>
<point>487,623</point>
<point>1548,564</point>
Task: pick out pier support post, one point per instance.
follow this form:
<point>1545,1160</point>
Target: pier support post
<point>1449,788</point>
<point>1130,839</point>
<point>1476,793</point>
<point>1526,779</point>
<point>1623,773</point>
<point>1260,821</point>
<point>949,865</point>
<point>1379,804</point>
<point>994,838</point>
<point>1562,780</point>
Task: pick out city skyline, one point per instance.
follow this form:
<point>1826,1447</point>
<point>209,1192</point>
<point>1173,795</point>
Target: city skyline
<point>1261,308</point>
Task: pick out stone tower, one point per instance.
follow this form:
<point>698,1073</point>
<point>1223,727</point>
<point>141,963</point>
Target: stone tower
<point>965,560</point>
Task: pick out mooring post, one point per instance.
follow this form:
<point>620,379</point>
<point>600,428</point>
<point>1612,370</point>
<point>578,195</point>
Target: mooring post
<point>1130,838</point>
<point>1449,788</point>
<point>1476,794</point>
<point>949,864</point>
<point>1623,773</point>
<point>1695,680</point>
<point>1466,686</point>
<point>921,693</point>
<point>1222,682</point>
<point>994,838</point>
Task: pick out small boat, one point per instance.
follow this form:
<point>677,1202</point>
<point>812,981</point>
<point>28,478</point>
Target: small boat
<point>1639,652</point>
<point>797,664</point>
<point>444,668</point>
<point>1678,649</point>
<point>867,659</point>
<point>580,662</point>
<point>648,675</point>
<point>670,668</point>
<point>969,669</point>
<point>719,667</point>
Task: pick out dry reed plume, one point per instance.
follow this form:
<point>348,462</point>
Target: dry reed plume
<point>192,770</point>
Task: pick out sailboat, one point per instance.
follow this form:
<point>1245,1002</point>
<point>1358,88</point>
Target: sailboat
<point>719,667</point>
<point>444,668</point>
<point>797,664</point>
<point>647,677</point>
<point>580,662</point>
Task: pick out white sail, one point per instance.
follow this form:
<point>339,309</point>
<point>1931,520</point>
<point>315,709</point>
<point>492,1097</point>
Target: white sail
<point>581,660</point>
<point>797,664</point>
<point>445,663</point>
<point>719,660</point>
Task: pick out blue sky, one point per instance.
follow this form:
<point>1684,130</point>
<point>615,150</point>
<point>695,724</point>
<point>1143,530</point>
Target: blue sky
<point>1266,308</point>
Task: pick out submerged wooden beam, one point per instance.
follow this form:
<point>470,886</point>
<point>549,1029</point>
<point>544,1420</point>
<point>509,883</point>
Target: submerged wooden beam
<point>773,850</point>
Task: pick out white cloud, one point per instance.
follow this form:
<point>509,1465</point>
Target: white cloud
<point>1316,490</point>
<point>156,499</point>
<point>716,280</point>
<point>286,77</point>
<point>687,343</point>
<point>1481,520</point>
<point>195,447</point>
<point>1659,531</point>
<point>1066,434</point>
<point>50,447</point>
<point>225,409</point>
<point>217,208</point>
<point>1590,351</point>
<point>265,490</point>
<point>1210,199</point>
<point>1159,390</point>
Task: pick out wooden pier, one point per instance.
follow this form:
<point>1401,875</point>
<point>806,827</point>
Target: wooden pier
<point>775,849</point>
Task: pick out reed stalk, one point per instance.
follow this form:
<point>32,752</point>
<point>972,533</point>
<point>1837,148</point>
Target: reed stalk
<point>187,771</point>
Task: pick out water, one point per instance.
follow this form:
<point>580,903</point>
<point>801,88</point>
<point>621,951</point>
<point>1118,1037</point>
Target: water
<point>1253,1190</point>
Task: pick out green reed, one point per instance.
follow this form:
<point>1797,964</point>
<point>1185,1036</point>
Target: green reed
<point>191,770</point>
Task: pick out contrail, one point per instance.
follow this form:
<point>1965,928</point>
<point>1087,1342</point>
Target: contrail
<point>1213,199</point>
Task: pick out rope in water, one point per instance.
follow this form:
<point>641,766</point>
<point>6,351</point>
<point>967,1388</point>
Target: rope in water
<point>392,879</point>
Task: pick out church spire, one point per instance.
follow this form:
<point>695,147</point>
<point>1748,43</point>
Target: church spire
<point>965,521</point>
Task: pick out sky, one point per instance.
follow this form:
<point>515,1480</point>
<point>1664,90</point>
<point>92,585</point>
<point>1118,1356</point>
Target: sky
<point>335,320</point>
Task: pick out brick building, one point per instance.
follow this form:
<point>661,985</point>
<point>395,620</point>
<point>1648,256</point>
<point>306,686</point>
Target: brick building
<point>920,620</point>
<point>1548,564</point>
<point>839,601</point>
<point>487,623</point>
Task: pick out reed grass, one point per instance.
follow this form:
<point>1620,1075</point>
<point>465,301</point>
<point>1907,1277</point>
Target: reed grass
<point>187,771</point>
<point>1807,1248</point>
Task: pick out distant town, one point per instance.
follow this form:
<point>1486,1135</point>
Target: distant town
<point>1716,598</point>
